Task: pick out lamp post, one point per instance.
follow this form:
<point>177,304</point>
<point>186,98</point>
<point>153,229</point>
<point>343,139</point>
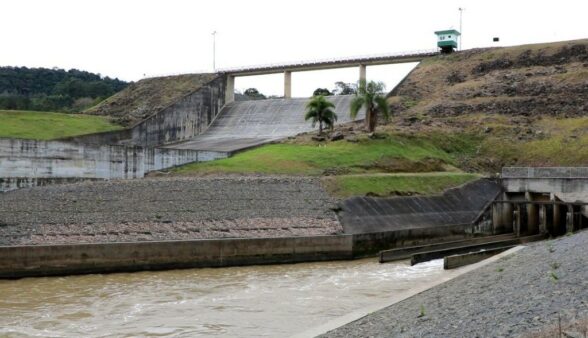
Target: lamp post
<point>214,51</point>
<point>460,26</point>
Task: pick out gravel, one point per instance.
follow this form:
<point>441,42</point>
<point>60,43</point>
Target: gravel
<point>167,209</point>
<point>519,294</point>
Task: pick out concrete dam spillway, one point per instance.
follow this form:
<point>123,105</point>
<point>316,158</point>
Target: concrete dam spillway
<point>243,124</point>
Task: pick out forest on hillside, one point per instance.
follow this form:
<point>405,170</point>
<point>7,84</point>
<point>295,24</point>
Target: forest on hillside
<point>44,89</point>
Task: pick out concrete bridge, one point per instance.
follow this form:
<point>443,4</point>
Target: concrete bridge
<point>287,68</point>
<point>542,200</point>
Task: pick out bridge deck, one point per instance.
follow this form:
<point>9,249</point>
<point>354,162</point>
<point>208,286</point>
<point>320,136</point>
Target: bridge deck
<point>413,56</point>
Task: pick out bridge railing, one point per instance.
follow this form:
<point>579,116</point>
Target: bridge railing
<point>358,58</point>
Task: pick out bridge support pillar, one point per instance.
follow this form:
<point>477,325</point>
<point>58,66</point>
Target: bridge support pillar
<point>570,224</point>
<point>532,215</point>
<point>362,73</point>
<point>287,84</point>
<point>543,219</point>
<point>230,89</point>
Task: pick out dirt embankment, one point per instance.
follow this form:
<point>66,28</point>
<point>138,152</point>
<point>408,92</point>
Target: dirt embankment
<point>533,80</point>
<point>146,97</point>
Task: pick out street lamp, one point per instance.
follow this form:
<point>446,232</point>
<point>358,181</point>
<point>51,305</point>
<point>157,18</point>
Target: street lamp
<point>214,51</point>
<point>460,26</point>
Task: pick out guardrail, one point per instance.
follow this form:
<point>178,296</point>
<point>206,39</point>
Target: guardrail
<point>359,58</point>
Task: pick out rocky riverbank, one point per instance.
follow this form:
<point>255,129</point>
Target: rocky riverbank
<point>167,209</point>
<point>521,294</point>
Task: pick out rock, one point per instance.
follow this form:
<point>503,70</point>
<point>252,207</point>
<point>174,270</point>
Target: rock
<point>318,138</point>
<point>336,136</point>
<point>377,136</point>
<point>352,139</point>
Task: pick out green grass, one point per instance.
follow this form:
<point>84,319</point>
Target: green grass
<point>47,126</point>
<point>394,184</point>
<point>313,159</point>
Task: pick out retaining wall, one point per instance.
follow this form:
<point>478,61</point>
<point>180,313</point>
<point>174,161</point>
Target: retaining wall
<point>13,183</point>
<point>23,261</point>
<point>184,119</point>
<point>48,260</point>
<point>27,162</point>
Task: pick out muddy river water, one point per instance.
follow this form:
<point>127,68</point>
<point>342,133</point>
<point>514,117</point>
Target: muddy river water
<point>256,301</point>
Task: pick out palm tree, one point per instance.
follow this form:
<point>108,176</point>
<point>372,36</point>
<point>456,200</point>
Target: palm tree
<point>320,110</point>
<point>371,96</point>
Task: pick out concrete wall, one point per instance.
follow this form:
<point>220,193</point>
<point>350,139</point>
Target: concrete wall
<point>13,183</point>
<point>545,172</point>
<point>25,162</point>
<point>16,262</point>
<point>184,119</point>
<point>546,185</point>
<point>47,260</point>
<point>108,137</point>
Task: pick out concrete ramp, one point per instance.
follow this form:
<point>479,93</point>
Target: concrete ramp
<point>456,206</point>
<point>243,124</point>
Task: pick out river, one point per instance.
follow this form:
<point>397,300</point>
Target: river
<point>255,301</point>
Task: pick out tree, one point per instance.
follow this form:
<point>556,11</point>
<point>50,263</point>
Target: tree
<point>254,94</point>
<point>320,110</point>
<point>321,91</point>
<point>342,88</point>
<point>371,96</point>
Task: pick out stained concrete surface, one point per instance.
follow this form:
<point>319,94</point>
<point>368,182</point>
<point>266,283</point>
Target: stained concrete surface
<point>243,124</point>
<point>459,205</point>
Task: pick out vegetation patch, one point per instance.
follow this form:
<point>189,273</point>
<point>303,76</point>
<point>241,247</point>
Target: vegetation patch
<point>47,126</point>
<point>394,184</point>
<point>364,156</point>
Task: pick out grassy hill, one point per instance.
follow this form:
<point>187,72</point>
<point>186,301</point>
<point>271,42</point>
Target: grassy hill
<point>522,105</point>
<point>146,97</point>
<point>454,117</point>
<point>47,126</point>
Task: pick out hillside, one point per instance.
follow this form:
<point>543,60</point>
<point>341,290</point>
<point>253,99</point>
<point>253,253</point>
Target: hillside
<point>469,112</point>
<point>522,105</point>
<point>48,126</point>
<point>146,97</point>
<point>44,89</point>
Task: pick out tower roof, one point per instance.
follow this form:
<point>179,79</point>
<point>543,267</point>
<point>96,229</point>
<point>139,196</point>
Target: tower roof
<point>448,31</point>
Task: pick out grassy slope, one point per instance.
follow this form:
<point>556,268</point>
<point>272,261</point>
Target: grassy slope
<point>316,159</point>
<point>548,129</point>
<point>47,126</point>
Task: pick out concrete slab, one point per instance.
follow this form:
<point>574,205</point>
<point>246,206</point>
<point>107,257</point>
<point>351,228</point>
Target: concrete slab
<point>244,124</point>
<point>456,206</point>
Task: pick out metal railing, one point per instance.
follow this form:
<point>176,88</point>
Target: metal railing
<point>358,58</point>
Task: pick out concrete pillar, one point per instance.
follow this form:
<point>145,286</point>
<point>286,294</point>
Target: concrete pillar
<point>516,222</point>
<point>507,217</point>
<point>556,219</point>
<point>532,215</point>
<point>287,84</point>
<point>570,219</point>
<point>543,219</point>
<point>497,224</point>
<point>362,73</point>
<point>230,89</point>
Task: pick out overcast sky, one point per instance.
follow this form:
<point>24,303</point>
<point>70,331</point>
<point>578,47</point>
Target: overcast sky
<point>131,39</point>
